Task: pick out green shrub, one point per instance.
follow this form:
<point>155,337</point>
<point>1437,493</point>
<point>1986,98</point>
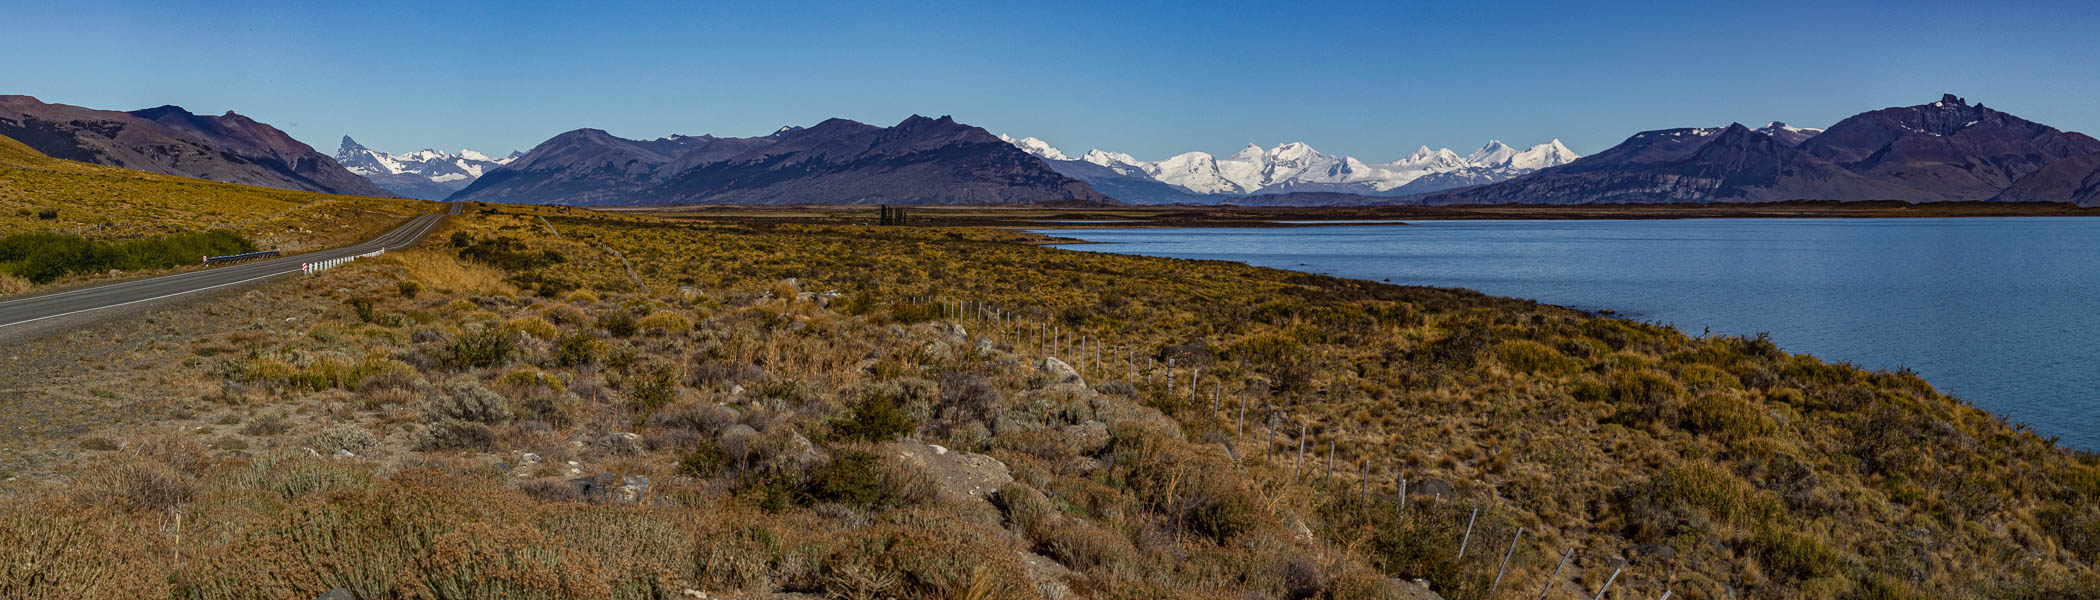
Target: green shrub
<point>1721,493</point>
<point>43,257</point>
<point>1527,356</point>
<point>505,253</point>
<point>874,418</point>
<point>532,326</point>
<point>478,348</point>
<point>618,324</point>
<point>705,459</point>
<point>665,320</point>
<point>851,478</point>
<point>409,289</point>
<point>911,312</point>
<point>1727,415</point>
<point>653,385</point>
<point>578,349</point>
<point>1795,555</point>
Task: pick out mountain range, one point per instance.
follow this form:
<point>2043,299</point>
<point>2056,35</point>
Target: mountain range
<point>920,160</point>
<point>172,141</point>
<point>1293,168</point>
<point>424,175</point>
<point>1948,150</point>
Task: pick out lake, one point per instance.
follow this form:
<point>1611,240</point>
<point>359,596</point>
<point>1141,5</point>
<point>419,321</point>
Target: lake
<point>2002,312</point>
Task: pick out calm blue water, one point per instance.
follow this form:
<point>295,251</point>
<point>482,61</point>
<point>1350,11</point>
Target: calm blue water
<point>2004,313</point>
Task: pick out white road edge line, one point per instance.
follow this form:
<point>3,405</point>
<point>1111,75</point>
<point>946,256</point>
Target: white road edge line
<point>147,299</point>
<point>425,229</point>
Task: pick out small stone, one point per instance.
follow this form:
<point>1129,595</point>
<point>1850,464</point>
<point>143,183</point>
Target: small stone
<point>736,436</point>
<point>529,459</point>
<point>337,594</point>
<point>1056,372</point>
<point>1641,553</point>
<point>341,453</point>
<point>631,489</point>
<point>621,443</point>
<point>1089,437</point>
<point>1435,488</point>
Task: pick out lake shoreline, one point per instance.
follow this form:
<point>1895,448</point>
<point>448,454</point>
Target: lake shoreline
<point>1706,276</point>
<point>1145,217</point>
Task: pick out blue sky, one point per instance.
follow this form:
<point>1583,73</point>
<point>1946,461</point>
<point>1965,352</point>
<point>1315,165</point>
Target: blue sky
<point>1373,80</point>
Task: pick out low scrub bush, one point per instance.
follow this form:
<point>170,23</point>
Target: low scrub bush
<point>1526,356</point>
<point>136,483</point>
<point>465,399</point>
<point>851,478</point>
<point>457,435</point>
<point>1726,415</point>
<point>346,437</point>
<point>478,348</point>
<point>874,418</point>
<point>664,320</point>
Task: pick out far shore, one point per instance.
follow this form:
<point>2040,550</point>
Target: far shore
<point>1065,217</point>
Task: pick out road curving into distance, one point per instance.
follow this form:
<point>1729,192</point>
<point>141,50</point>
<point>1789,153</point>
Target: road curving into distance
<point>79,306</point>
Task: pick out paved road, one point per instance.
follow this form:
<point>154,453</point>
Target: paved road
<point>18,316</point>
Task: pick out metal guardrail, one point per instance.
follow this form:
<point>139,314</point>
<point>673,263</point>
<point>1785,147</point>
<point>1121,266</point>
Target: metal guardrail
<point>239,257</point>
<point>316,267</point>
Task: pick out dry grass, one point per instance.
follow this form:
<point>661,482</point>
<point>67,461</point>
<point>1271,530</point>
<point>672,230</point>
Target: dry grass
<point>759,408</point>
<point>106,204</point>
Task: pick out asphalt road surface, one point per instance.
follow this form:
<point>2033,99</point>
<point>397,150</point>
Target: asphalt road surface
<point>72,307</point>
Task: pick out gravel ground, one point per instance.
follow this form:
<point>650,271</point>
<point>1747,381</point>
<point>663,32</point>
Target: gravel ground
<point>86,381</point>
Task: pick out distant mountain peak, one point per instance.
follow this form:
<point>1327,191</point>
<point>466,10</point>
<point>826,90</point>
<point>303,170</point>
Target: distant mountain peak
<point>920,160</point>
<point>1946,150</point>
<point>1295,166</point>
<point>428,174</point>
<point>1036,147</point>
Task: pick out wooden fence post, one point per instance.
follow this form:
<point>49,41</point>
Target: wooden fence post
<point>1556,573</point>
<point>1469,531</point>
<point>1329,478</point>
<point>1363,481</point>
<point>1607,583</point>
<point>1401,507</point>
<point>1170,377</point>
<point>1505,562</point>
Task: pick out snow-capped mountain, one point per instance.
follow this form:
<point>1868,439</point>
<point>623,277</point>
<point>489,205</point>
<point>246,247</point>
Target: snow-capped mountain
<point>1294,167</point>
<point>1789,135</point>
<point>1035,146</point>
<point>425,174</point>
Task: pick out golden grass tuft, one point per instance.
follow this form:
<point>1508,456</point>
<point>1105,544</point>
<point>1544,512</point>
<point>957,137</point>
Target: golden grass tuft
<point>446,273</point>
